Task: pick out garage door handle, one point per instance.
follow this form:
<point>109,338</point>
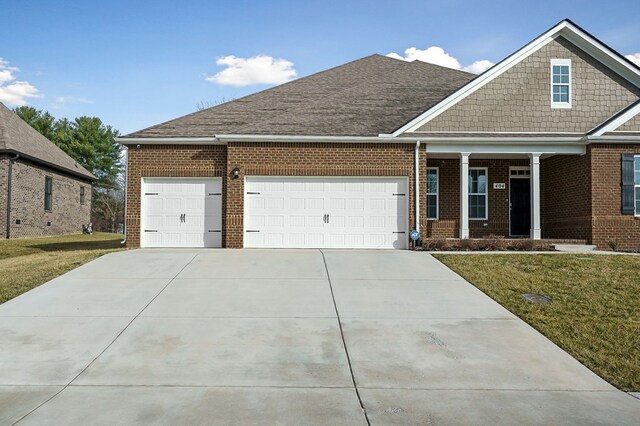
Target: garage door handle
<point>211,230</point>
<point>397,232</point>
<point>401,195</point>
<point>251,230</point>
<point>253,193</point>
<point>216,193</point>
<point>150,193</point>
<point>150,230</point>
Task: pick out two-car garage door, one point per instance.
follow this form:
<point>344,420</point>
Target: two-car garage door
<point>326,212</point>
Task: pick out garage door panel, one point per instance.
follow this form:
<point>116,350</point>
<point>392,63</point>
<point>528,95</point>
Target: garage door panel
<point>180,212</point>
<point>331,212</point>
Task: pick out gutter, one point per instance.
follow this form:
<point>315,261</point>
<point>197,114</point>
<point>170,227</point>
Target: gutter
<point>9,176</point>
<point>613,139</point>
<point>126,201</point>
<point>223,139</point>
<point>417,189</point>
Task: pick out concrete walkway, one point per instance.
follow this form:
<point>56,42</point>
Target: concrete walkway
<point>283,336</point>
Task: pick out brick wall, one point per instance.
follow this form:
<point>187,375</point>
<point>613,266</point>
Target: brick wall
<point>608,224</point>
<point>169,161</point>
<point>316,159</point>
<point>4,169</point>
<point>565,186</point>
<point>67,214</point>
<point>520,100</point>
<point>448,223</point>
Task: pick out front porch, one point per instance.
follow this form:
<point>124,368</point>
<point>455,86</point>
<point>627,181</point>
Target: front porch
<point>483,194</point>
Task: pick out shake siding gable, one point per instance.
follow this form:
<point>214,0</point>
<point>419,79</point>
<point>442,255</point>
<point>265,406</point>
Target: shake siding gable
<point>519,99</point>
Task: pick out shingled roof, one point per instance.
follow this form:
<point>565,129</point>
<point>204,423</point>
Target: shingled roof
<point>366,97</point>
<point>18,137</point>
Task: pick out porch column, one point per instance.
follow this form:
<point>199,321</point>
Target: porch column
<point>464,195</point>
<point>535,195</point>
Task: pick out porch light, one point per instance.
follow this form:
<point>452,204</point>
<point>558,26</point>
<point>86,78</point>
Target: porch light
<point>235,172</point>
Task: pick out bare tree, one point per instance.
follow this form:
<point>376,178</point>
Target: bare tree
<point>108,204</point>
<point>210,104</point>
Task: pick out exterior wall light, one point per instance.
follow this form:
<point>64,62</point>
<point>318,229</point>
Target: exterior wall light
<point>235,172</point>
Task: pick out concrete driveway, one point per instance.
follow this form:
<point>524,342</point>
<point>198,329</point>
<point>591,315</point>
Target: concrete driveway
<point>283,336</point>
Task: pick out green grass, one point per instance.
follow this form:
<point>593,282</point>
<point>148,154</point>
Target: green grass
<point>595,313</point>
<point>27,263</point>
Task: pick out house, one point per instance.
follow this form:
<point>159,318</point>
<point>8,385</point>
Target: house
<point>544,145</point>
<point>43,191</point>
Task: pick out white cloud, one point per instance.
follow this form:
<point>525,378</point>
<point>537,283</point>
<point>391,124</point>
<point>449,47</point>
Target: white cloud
<point>259,69</point>
<point>12,91</point>
<point>437,55</point>
<point>634,57</point>
<point>60,101</point>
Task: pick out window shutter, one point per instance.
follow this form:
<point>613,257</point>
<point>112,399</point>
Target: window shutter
<point>627,184</point>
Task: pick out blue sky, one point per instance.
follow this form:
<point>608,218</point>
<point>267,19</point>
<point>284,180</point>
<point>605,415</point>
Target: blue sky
<point>135,64</point>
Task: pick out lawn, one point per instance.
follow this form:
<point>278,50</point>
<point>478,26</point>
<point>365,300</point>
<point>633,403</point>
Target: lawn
<point>27,263</point>
<point>595,309</point>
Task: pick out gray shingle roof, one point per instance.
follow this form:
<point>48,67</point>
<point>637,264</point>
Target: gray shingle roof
<point>17,136</point>
<point>366,97</point>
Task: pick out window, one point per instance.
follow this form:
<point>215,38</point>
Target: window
<point>561,83</point>
<point>82,195</point>
<point>636,182</point>
<point>48,191</point>
<point>432,193</point>
<point>478,193</point>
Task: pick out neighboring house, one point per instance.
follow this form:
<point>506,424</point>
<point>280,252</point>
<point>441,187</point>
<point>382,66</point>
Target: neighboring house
<point>545,144</point>
<point>43,191</point>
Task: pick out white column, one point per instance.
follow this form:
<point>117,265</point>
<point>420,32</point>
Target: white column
<point>535,195</point>
<point>464,195</point>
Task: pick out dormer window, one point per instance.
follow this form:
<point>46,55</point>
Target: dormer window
<point>561,83</point>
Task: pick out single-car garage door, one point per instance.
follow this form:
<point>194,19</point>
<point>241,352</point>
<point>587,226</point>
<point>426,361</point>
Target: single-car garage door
<point>326,212</point>
<point>181,212</point>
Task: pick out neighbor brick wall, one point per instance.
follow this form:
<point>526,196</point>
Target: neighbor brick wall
<point>316,159</point>
<point>519,100</point>
<point>565,186</point>
<point>448,224</point>
<point>169,161</point>
<point>4,169</point>
<point>608,223</point>
<point>67,214</point>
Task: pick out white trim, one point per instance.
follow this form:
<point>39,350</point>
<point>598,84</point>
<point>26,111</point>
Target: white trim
<point>562,63</point>
<point>452,148</point>
<point>536,233</point>
<point>417,181</point>
<point>613,139</point>
<point>464,195</point>
<point>486,193</point>
<point>437,193</point>
<point>177,141</point>
<point>565,29</point>
<point>636,212</point>
<point>618,121</point>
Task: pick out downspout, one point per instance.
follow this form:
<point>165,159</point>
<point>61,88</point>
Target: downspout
<point>417,159</point>
<point>9,175</point>
<point>126,201</point>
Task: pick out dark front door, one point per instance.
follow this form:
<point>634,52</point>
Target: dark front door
<point>520,198</point>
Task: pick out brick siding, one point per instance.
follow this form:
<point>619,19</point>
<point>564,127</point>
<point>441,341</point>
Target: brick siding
<point>608,223</point>
<point>169,161</point>
<point>4,169</point>
<point>67,214</point>
<point>519,100</point>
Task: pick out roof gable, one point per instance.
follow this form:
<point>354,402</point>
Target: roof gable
<point>365,97</point>
<point>565,29</point>
<point>19,137</point>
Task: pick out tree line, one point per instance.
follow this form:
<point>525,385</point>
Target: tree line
<point>92,144</point>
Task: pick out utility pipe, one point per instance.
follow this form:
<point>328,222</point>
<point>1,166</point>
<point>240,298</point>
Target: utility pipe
<point>417,154</point>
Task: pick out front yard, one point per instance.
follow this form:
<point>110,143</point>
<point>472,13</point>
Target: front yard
<point>595,309</point>
<point>27,263</point>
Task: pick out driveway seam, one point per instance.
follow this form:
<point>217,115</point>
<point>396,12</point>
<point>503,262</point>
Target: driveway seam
<point>109,345</point>
<point>344,343</point>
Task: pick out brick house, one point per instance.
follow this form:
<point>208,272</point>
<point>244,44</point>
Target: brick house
<point>43,191</point>
<point>545,144</point>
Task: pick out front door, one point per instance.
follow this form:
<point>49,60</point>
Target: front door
<point>520,207</point>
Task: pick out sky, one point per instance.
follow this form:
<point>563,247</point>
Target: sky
<point>135,64</point>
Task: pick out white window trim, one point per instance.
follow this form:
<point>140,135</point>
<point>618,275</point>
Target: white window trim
<point>635,186</point>
<point>560,62</point>
<point>437,193</point>
<point>486,193</point>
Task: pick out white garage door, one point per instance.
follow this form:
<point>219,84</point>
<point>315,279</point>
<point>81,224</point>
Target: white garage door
<point>326,212</point>
<point>181,212</point>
